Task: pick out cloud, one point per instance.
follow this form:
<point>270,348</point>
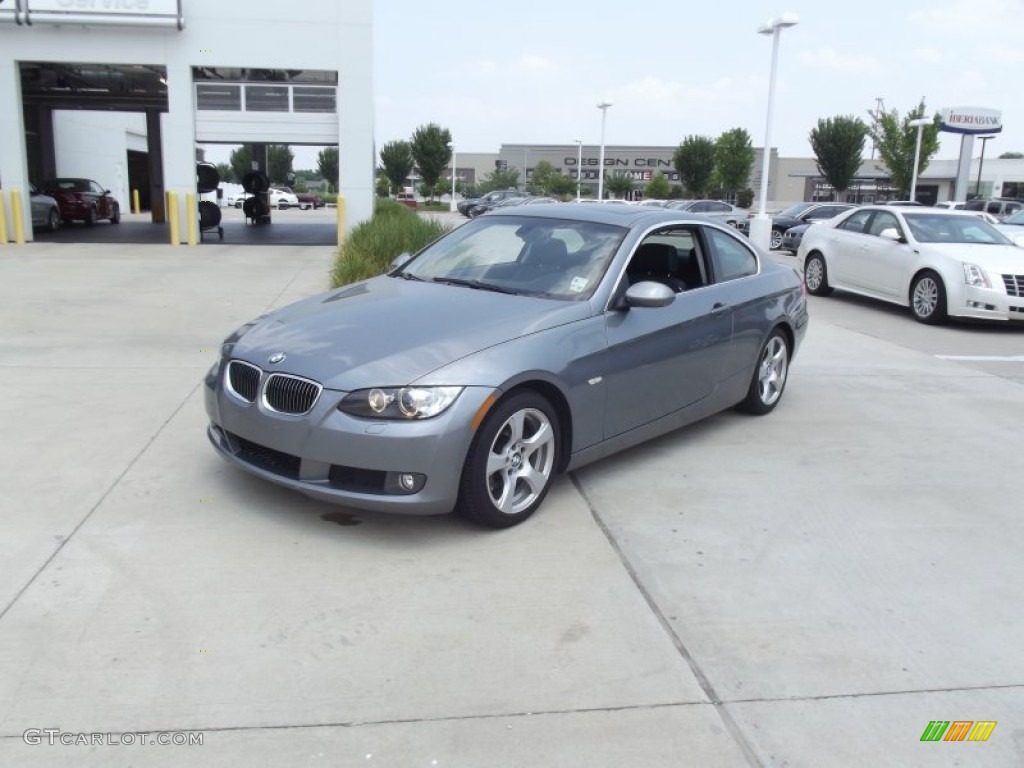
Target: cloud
<point>847,64</point>
<point>1005,54</point>
<point>532,62</point>
<point>928,55</point>
<point>964,18</point>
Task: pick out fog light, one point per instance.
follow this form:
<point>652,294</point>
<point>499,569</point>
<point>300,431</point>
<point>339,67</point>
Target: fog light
<point>407,481</point>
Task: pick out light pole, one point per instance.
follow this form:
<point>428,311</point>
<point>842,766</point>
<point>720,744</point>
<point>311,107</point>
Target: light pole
<point>451,204</point>
<point>603,106</point>
<point>981,164</point>
<point>920,123</point>
<point>579,166</point>
<point>761,225</point>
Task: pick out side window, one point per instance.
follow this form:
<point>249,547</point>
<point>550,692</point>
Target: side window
<point>700,207</point>
<point>669,257</point>
<point>719,207</point>
<point>883,220</point>
<point>857,222</point>
<point>993,208</point>
<point>730,258</point>
<point>95,188</point>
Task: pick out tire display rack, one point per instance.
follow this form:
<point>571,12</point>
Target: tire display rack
<point>207,180</point>
<point>257,207</point>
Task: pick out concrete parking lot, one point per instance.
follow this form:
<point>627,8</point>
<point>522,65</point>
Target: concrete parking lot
<point>811,588</point>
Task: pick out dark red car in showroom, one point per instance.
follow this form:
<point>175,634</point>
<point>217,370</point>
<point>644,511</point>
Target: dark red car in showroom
<point>83,200</point>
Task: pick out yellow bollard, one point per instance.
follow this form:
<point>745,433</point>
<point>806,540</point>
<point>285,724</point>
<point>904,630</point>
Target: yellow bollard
<point>18,214</point>
<point>172,217</point>
<point>341,220</point>
<point>3,220</point>
<point>191,212</point>
<point>136,208</point>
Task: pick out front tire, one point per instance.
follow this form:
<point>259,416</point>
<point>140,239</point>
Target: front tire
<point>115,215</point>
<point>816,275</point>
<point>511,462</point>
<point>928,298</point>
<point>90,217</point>
<point>770,375</point>
<point>53,221</point>
<point>776,239</point>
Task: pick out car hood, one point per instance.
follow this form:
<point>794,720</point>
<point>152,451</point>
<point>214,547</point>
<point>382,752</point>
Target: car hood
<point>391,332</point>
<point>1002,259</point>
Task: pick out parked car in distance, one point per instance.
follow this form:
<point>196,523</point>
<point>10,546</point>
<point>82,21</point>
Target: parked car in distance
<point>904,203</point>
<point>1013,227</point>
<point>794,215</point>
<point>45,211</point>
<point>791,237</point>
<point>527,342</point>
<point>716,209</point>
<point>474,206</point>
<point>309,200</point>
<point>938,263</point>
<point>83,200</point>
<point>1000,207</point>
<point>279,198</point>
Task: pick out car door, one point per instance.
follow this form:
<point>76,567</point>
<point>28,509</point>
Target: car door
<point>663,359</point>
<point>843,248</point>
<point>102,200</point>
<point>884,262</point>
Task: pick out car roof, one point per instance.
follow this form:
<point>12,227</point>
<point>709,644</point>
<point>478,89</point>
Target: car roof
<point>618,215</point>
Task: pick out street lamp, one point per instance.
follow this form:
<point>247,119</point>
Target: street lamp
<point>579,166</point>
<point>761,225</point>
<point>451,204</point>
<point>977,187</point>
<point>603,106</point>
<point>919,123</point>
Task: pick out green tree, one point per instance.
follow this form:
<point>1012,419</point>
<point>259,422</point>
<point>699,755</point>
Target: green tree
<point>1011,156</point>
<point>431,152</point>
<point>838,146</point>
<point>619,184</point>
<point>382,187</point>
<point>658,187</point>
<point>327,165</point>
<point>694,160</point>
<point>543,171</point>
<point>279,163</point>
<point>396,162</point>
<point>734,159</point>
<point>226,172</point>
<point>241,161</point>
<point>561,185</point>
<point>507,179</point>
<point>896,142</point>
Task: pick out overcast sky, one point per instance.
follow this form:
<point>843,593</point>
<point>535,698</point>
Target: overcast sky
<point>533,71</point>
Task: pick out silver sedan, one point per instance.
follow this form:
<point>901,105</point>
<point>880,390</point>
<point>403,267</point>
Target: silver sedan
<point>527,342</point>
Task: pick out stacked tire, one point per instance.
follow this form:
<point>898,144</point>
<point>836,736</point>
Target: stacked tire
<point>207,180</point>
<point>257,207</point>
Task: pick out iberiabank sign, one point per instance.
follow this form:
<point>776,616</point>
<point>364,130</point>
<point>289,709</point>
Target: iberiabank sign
<point>971,120</point>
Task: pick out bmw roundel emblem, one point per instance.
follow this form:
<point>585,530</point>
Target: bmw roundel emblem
<point>277,357</point>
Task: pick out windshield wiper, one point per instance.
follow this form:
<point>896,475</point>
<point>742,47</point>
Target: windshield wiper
<point>475,284</point>
<point>409,276</point>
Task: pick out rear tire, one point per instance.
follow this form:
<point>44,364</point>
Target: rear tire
<point>816,275</point>
<point>511,462</point>
<point>115,216</point>
<point>776,239</point>
<point>53,221</point>
<point>770,374</point>
<point>90,217</point>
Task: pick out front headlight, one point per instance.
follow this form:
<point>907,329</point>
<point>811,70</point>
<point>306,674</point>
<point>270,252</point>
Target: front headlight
<point>975,275</point>
<point>399,402</point>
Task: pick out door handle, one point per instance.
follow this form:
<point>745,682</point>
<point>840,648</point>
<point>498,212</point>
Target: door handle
<point>718,308</point>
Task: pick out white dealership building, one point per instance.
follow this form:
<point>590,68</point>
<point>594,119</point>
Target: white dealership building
<point>253,72</point>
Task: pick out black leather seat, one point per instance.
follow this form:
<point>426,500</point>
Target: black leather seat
<point>655,262</point>
<point>688,268</point>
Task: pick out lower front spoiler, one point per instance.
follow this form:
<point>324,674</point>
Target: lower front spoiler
<point>321,490</point>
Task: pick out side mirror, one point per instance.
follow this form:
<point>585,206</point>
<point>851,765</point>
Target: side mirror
<point>891,233</point>
<point>106,191</point>
<point>400,260</point>
<point>649,294</point>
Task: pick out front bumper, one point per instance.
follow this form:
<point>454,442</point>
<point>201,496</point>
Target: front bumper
<point>989,304</point>
<point>335,457</point>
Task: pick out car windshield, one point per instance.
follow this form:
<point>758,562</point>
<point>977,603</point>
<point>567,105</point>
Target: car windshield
<point>795,210</point>
<point>1015,218</point>
<point>69,185</point>
<point>552,258</point>
<point>946,228</point>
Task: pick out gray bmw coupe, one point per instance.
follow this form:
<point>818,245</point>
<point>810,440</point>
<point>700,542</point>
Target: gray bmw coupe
<point>523,343</point>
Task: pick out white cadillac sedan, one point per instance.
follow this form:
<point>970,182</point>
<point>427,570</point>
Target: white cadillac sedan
<point>939,263</point>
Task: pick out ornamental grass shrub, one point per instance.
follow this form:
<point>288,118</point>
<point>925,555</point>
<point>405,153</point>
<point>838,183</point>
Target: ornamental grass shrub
<point>372,245</point>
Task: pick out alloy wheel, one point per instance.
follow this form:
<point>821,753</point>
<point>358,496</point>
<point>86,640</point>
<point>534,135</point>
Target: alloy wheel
<point>520,461</point>
<point>772,370</point>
